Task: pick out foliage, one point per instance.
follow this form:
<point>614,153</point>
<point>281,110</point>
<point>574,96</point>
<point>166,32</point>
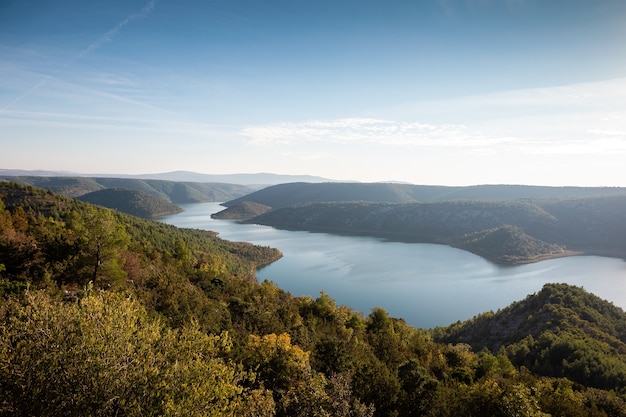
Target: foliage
<point>134,202</point>
<point>104,355</point>
<point>176,324</point>
<point>562,331</point>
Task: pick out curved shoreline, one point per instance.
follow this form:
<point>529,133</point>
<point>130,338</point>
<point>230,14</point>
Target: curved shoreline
<point>408,238</point>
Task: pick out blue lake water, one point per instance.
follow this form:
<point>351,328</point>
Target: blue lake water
<point>427,285</point>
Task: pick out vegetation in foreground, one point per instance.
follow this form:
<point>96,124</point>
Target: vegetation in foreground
<point>107,314</point>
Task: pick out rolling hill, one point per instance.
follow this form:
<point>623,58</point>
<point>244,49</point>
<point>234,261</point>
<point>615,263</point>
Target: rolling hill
<point>175,192</point>
<point>560,331</point>
<point>137,203</point>
<point>297,193</point>
<point>507,224</point>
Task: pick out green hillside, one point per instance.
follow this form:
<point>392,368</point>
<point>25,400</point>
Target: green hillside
<point>137,203</point>
<point>504,231</point>
<point>561,331</point>
<point>243,210</point>
<point>298,193</point>
<point>106,314</point>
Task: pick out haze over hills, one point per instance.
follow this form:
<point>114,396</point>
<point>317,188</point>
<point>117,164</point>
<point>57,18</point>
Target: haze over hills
<point>256,180</point>
<point>173,191</point>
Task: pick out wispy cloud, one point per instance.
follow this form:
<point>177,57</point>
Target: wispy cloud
<point>105,38</point>
<point>110,123</point>
<point>372,131</point>
<point>108,36</point>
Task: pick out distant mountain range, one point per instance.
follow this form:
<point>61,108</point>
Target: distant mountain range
<point>257,180</point>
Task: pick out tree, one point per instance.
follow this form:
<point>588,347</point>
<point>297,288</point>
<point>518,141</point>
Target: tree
<point>99,238</point>
<point>285,370</point>
<point>104,355</point>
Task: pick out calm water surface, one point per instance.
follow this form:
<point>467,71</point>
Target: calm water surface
<point>427,285</point>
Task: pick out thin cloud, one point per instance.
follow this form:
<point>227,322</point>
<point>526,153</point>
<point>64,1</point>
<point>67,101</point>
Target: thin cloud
<point>371,131</point>
<point>106,38</point>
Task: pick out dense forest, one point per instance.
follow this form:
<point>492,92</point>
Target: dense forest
<point>106,314</point>
<point>137,203</point>
<point>505,224</point>
<point>290,194</point>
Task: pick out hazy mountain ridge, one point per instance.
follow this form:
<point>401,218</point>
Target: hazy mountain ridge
<point>255,180</point>
<point>175,192</point>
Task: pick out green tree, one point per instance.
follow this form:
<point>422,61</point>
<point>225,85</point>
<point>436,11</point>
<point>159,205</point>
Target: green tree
<point>100,239</point>
<point>105,356</point>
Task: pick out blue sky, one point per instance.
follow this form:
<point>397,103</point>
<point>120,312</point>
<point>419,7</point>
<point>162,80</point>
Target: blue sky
<point>449,92</point>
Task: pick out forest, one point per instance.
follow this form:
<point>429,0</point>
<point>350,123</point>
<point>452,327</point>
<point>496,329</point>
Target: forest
<point>107,314</point>
<point>504,231</point>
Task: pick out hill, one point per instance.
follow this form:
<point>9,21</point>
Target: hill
<point>175,192</point>
<point>283,195</point>
<point>243,210</point>
<point>564,221</point>
<point>254,181</point>
<point>561,331</point>
<point>102,313</point>
<point>137,203</point>
<point>505,232</point>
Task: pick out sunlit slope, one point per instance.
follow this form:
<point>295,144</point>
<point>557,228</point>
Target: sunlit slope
<point>561,331</point>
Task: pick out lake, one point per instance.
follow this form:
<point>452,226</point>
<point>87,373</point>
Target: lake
<point>427,285</point>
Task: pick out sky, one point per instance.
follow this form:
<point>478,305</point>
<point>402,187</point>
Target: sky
<point>445,92</point>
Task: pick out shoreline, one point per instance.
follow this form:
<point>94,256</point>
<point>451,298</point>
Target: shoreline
<point>406,238</point>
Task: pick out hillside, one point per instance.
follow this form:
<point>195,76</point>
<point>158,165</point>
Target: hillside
<point>243,210</point>
<point>105,314</point>
<point>561,331</point>
<point>506,231</point>
<point>175,192</point>
<point>254,181</point>
<point>137,203</point>
<point>298,193</point>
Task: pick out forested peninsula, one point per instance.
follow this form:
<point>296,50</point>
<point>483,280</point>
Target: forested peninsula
<point>505,224</point>
<point>107,314</point>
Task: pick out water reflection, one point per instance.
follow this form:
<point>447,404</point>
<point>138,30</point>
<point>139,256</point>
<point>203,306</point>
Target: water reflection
<point>427,285</point>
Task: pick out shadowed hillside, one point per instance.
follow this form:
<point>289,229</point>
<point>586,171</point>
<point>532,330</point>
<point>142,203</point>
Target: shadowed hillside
<point>297,193</point>
<point>505,224</point>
